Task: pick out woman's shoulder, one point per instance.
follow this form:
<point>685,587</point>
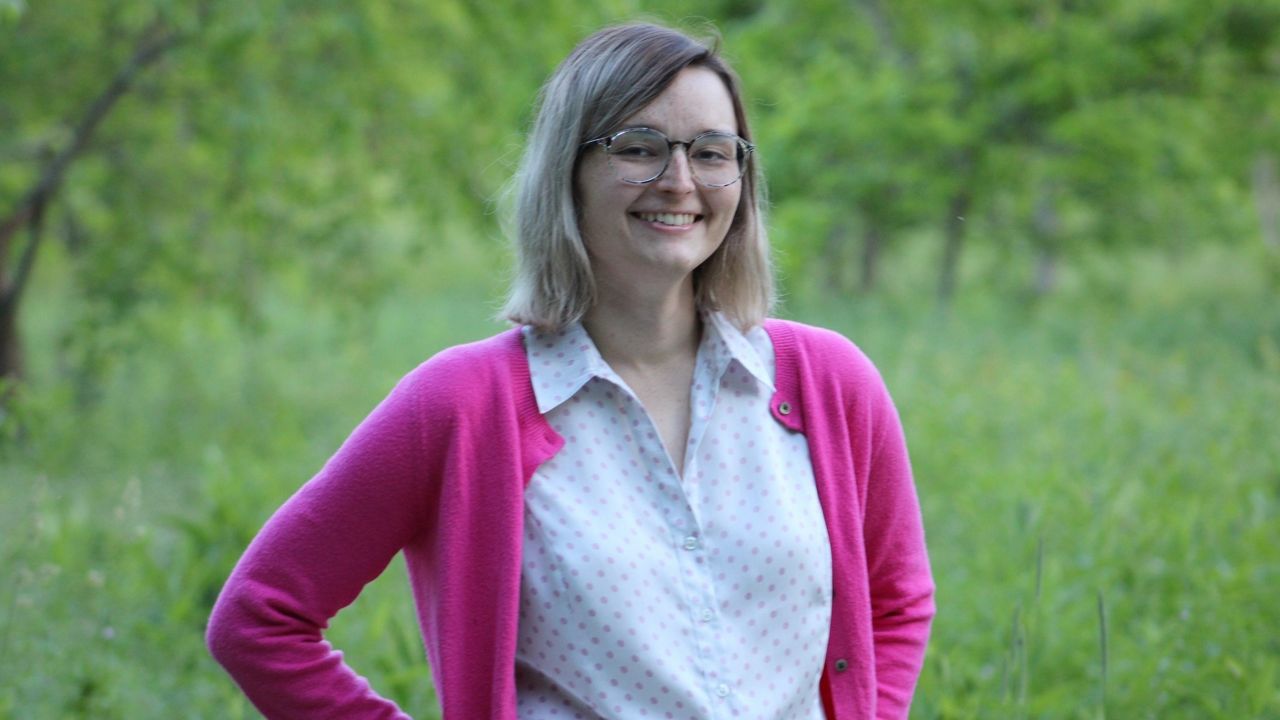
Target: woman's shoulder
<point>495,362</point>
<point>495,353</point>
<point>828,367</point>
<point>819,347</point>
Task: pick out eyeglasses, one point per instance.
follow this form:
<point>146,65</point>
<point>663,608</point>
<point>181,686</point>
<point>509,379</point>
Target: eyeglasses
<point>641,155</point>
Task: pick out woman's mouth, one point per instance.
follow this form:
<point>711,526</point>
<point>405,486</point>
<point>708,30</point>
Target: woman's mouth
<point>670,219</point>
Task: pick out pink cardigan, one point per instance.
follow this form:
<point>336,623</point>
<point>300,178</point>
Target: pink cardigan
<point>437,471</point>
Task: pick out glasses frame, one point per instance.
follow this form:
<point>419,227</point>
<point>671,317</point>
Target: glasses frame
<point>744,153</point>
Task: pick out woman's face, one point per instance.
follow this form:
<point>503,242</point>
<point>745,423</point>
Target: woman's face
<point>647,236</point>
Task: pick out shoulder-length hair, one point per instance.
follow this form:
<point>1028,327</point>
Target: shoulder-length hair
<point>610,76</point>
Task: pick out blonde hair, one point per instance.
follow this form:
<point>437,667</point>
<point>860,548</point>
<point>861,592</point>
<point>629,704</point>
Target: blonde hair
<point>608,77</point>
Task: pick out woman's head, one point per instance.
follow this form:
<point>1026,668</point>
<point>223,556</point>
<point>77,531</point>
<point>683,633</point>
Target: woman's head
<point>610,77</point>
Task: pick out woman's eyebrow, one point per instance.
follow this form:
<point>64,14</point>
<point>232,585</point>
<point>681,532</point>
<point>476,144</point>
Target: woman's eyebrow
<point>658,126</point>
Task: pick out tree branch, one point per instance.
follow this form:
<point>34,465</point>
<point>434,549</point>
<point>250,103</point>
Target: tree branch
<point>154,42</point>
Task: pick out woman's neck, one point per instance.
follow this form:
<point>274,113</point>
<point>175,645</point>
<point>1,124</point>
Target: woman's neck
<point>645,331</point>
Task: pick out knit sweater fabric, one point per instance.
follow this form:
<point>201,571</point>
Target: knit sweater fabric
<point>438,470</point>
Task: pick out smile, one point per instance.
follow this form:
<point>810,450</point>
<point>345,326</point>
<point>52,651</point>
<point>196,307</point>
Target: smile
<point>676,219</point>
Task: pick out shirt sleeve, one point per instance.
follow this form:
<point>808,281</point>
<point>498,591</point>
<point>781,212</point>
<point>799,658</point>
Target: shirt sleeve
<point>311,559</point>
<point>901,583</point>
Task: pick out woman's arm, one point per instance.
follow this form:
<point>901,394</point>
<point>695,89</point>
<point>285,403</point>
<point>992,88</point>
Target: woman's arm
<point>901,584</point>
<point>311,559</point>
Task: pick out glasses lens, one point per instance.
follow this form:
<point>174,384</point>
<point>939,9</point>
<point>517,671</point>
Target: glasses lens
<point>638,155</point>
<point>717,159</point>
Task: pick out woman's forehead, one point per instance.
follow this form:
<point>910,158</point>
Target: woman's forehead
<point>696,101</point>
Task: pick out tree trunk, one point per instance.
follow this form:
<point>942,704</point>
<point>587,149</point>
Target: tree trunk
<point>1047,228</point>
<point>1266,197</point>
<point>30,210</point>
<point>11,289</point>
<point>1046,270</point>
<point>957,211</point>
<point>10,347</point>
<point>833,257</point>
<point>872,239</point>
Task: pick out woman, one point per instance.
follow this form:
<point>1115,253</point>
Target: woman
<point>647,501</point>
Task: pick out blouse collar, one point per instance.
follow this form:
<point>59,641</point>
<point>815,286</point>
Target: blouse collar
<point>561,362</point>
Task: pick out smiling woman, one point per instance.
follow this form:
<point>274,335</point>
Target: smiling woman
<point>604,87</point>
<point>647,500</point>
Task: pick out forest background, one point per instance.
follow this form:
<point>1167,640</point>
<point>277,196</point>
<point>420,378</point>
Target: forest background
<point>227,228</point>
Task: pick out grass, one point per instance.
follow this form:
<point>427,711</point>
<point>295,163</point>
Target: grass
<point>1099,472</point>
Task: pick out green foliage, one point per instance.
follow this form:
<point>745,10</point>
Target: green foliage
<point>276,130</point>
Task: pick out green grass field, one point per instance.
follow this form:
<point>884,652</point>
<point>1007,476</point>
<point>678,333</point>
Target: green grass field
<point>1099,470</point>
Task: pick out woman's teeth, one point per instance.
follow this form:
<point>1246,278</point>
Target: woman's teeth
<point>668,218</point>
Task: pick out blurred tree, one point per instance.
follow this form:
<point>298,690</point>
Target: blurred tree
<point>1066,125</point>
<point>324,149</point>
<point>304,147</point>
<point>30,210</point>
<point>844,128</point>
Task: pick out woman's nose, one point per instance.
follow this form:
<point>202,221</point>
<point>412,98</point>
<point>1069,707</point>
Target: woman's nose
<point>678,177</point>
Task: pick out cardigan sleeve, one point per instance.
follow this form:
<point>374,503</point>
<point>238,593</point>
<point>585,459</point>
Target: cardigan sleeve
<point>311,559</point>
<point>901,583</point>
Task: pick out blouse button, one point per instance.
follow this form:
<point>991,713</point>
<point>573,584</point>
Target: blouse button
<point>842,665</point>
<point>722,690</point>
<point>691,543</point>
<point>784,408</point>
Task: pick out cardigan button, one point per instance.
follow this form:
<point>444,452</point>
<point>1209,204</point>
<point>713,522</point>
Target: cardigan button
<point>842,665</point>
<point>784,408</point>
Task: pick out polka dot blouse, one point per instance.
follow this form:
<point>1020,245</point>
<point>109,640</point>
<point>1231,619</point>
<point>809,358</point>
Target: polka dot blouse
<point>646,594</point>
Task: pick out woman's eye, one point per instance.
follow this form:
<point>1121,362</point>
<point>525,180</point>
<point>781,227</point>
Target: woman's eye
<point>634,151</point>
<point>714,155</point>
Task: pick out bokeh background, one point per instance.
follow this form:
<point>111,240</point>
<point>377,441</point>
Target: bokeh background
<point>227,228</point>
